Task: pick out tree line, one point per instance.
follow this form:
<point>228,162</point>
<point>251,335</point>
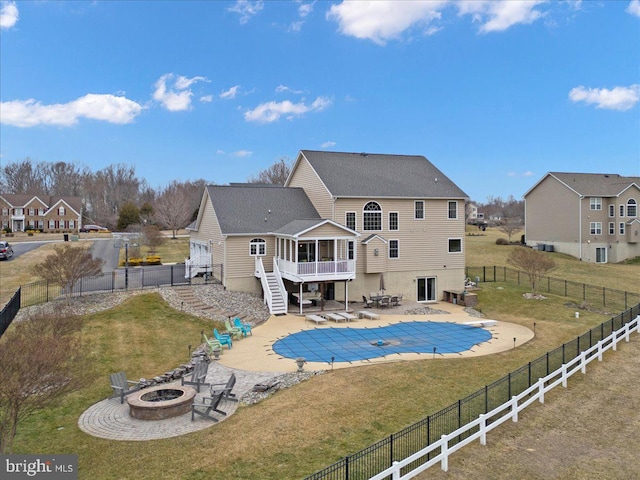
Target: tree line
<point>115,197</point>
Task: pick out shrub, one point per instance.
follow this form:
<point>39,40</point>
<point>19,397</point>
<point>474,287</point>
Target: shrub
<point>153,260</point>
<point>502,241</point>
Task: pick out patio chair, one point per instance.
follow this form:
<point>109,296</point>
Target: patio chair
<point>211,344</point>
<point>245,327</point>
<point>385,302</point>
<point>208,405</point>
<point>198,375</point>
<point>121,386</point>
<point>367,303</point>
<point>234,332</point>
<point>226,389</point>
<point>400,299</point>
<point>224,339</point>
<point>394,301</point>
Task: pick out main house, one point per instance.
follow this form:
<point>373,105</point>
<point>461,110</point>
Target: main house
<point>40,212</point>
<point>593,217</point>
<point>343,225</point>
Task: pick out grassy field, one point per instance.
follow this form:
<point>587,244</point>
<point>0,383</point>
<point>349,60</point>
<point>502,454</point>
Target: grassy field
<point>302,429</point>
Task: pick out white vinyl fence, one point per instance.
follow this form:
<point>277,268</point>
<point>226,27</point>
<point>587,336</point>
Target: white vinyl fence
<point>508,410</point>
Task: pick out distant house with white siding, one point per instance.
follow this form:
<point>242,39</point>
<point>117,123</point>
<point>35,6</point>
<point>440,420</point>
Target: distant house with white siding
<point>344,224</point>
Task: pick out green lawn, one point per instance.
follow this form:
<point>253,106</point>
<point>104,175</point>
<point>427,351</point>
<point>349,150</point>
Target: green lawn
<point>306,428</point>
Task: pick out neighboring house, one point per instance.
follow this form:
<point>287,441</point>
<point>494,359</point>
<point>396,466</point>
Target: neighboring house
<point>40,212</point>
<point>344,224</point>
<point>593,217</point>
<point>474,216</point>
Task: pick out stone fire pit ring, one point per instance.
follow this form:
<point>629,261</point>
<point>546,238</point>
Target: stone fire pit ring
<point>161,402</point>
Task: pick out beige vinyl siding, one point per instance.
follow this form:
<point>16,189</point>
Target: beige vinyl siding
<point>553,213</point>
<point>306,178</point>
<point>424,244</point>
<point>209,230</point>
<point>239,261</point>
<point>328,231</point>
<point>374,263</point>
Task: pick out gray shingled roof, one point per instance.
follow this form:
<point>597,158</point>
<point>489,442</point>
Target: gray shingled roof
<point>242,209</point>
<point>20,200</point>
<point>379,175</point>
<point>596,184</point>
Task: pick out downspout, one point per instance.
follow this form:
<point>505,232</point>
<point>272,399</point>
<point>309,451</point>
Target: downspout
<point>580,224</point>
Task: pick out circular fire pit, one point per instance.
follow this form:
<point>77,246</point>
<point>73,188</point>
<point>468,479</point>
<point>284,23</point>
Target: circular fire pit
<point>161,402</point>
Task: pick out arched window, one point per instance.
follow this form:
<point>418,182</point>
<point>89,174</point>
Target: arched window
<point>632,208</point>
<point>257,247</point>
<point>372,217</point>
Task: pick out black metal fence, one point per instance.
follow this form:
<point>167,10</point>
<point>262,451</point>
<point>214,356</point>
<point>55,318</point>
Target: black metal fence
<point>9,312</point>
<point>398,446</point>
<point>133,278</point>
<point>608,298</point>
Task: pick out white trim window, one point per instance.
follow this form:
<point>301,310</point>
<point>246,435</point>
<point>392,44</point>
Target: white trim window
<point>452,210</point>
<point>418,210</point>
<point>257,247</point>
<point>612,210</point>
<point>595,228</point>
<point>350,220</point>
<point>372,217</point>
<point>595,203</point>
<point>351,250</point>
<point>393,221</point>
<point>621,228</point>
<point>32,212</point>
<point>455,245</point>
<point>612,228</point>
<point>394,249</point>
<point>621,208</point>
<point>61,211</point>
<point>632,208</point>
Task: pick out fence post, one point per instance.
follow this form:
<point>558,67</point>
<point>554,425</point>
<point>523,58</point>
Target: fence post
<point>565,288</point>
<point>600,351</point>
<point>483,429</point>
<point>509,384</point>
<point>395,475</point>
<point>391,449</point>
<point>444,451</point>
<point>604,296</point>
<point>583,362</point>
<point>541,390</point>
<point>564,375</point>
<point>514,409</point>
<point>529,374</point>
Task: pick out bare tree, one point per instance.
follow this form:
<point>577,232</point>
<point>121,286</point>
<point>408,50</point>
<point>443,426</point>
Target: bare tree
<point>510,226</point>
<point>152,238</point>
<point>67,265</point>
<point>276,174</point>
<point>24,177</point>
<point>536,265</point>
<point>42,360</point>
<point>173,207</point>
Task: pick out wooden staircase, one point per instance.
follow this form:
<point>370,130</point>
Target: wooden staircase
<point>278,303</point>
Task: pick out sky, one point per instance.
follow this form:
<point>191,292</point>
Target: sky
<point>494,93</point>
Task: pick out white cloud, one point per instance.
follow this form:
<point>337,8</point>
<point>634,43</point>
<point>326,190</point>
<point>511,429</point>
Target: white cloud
<point>105,107</point>
<point>305,9</point>
<point>618,98</point>
<point>328,144</point>
<point>296,26</point>
<point>634,8</point>
<point>242,153</point>
<point>8,14</point>
<point>284,88</point>
<point>528,173</point>
<point>206,98</point>
<point>246,9</point>
<point>497,16</point>
<point>178,97</point>
<point>231,93</point>
<point>380,21</point>
<point>272,111</point>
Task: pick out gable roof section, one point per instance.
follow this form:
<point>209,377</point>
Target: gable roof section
<point>21,201</point>
<point>381,175</point>
<point>258,209</point>
<point>592,184</point>
<point>300,227</point>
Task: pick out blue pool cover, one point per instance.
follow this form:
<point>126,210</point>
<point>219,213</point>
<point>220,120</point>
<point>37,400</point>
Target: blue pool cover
<point>353,344</point>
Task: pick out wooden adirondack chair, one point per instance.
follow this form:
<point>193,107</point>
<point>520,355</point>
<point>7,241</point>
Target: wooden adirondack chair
<point>235,332</point>
<point>211,344</point>
<point>121,386</point>
<point>198,376</point>
<point>226,389</point>
<point>208,405</point>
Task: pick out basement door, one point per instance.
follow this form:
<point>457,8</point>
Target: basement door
<point>426,289</point>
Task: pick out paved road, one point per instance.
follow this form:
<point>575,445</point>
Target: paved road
<point>103,248</point>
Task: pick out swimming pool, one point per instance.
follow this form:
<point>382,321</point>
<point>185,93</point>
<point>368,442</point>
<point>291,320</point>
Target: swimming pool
<point>354,344</point>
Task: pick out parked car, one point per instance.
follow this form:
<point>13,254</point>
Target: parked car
<point>6,252</point>
<point>93,228</point>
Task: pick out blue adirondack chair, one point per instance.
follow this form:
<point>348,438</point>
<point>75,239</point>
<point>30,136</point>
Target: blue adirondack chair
<point>244,327</point>
<point>223,338</point>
